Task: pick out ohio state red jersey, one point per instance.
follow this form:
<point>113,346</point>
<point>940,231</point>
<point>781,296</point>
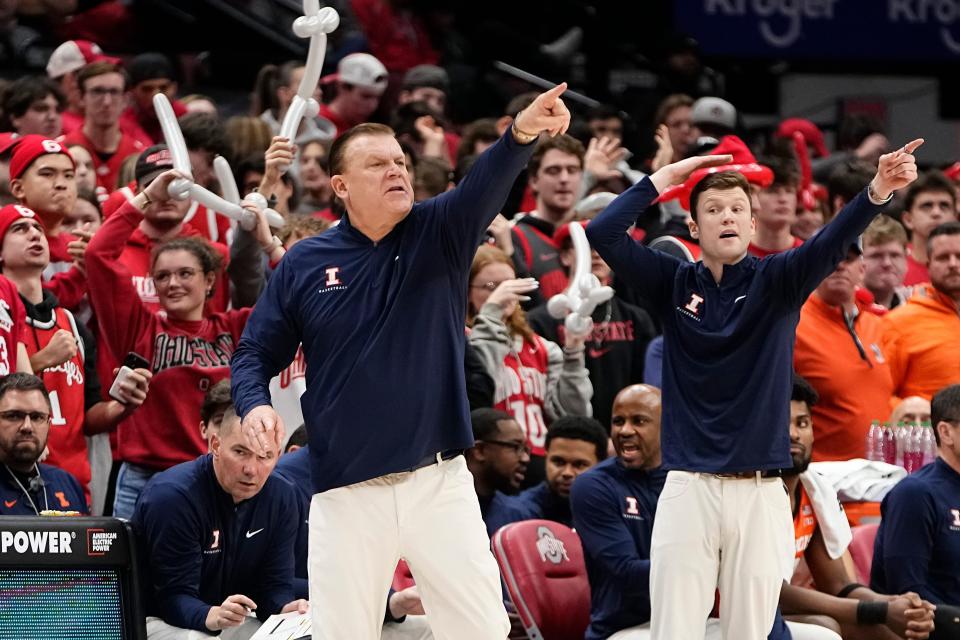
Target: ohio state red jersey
<point>12,315</point>
<point>522,391</point>
<point>65,382</point>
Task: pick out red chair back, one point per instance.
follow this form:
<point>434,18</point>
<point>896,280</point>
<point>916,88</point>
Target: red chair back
<point>402,578</point>
<point>542,564</point>
<point>861,550</point>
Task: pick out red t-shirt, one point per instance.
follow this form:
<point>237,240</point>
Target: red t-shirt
<point>916,272</point>
<point>341,124</point>
<point>108,169</point>
<point>763,253</point>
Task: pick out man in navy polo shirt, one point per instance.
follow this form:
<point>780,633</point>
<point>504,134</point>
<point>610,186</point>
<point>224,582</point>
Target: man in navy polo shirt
<point>729,324</point>
<point>28,488</point>
<point>378,303</point>
<point>918,543</point>
<point>217,535</point>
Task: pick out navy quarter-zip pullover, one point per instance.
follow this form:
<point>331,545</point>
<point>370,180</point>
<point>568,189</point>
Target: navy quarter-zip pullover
<point>918,543</point>
<point>728,346</point>
<point>199,547</point>
<point>613,511</point>
<point>382,326</point>
<point>60,492</point>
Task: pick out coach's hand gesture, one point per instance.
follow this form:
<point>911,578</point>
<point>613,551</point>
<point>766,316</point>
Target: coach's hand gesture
<point>546,113</point>
<point>679,171</point>
<point>896,170</point>
<point>263,426</point>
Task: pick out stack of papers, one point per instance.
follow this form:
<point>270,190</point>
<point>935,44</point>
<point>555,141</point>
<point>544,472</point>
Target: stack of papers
<point>285,626</point>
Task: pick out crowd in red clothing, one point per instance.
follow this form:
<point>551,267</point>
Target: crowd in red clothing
<point>95,270</point>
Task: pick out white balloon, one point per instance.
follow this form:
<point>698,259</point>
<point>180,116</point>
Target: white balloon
<point>583,294</point>
<point>315,23</point>
<point>173,136</point>
<point>183,188</point>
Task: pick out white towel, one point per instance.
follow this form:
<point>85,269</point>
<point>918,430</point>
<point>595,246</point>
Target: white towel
<point>860,480</point>
<point>831,519</point>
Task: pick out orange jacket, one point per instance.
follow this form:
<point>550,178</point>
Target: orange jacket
<point>853,382</point>
<point>922,341</point>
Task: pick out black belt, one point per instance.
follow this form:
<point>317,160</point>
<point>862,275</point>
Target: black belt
<point>430,459</point>
<point>746,475</point>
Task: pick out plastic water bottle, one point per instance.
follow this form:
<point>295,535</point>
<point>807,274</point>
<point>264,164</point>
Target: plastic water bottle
<point>913,457</point>
<point>889,444</point>
<point>875,441</point>
<point>901,437</point>
<point>929,444</point>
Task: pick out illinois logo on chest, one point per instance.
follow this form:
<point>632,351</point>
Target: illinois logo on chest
<point>693,308</point>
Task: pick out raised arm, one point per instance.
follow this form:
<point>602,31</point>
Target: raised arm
<point>119,309</point>
<point>467,211</point>
<point>651,272</point>
<point>805,267</point>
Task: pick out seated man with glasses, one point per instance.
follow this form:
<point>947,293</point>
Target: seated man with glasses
<point>918,543</point>
<point>27,487</point>
<point>498,462</point>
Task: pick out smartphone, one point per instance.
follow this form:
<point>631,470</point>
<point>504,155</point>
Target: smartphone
<point>131,362</point>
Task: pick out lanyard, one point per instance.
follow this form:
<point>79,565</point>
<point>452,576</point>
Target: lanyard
<point>39,481</point>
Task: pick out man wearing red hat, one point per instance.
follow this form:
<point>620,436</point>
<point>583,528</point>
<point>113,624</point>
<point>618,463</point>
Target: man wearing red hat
<point>42,178</point>
<point>103,91</point>
<point>60,349</point>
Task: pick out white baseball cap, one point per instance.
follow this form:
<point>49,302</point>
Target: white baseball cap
<point>361,70</point>
<point>74,54</point>
<point>716,111</point>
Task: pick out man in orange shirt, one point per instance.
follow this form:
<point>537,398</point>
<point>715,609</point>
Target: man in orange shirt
<point>838,352</point>
<point>922,337</point>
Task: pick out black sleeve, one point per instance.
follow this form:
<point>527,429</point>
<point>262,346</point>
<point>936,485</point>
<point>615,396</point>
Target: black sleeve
<point>480,385</point>
<point>91,380</point>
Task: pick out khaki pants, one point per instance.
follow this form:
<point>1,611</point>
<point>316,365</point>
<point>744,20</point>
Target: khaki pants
<point>431,518</point>
<point>710,532</point>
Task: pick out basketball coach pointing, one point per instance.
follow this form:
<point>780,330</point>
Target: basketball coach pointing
<point>378,303</point>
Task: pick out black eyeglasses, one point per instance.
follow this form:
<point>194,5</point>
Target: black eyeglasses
<point>519,448</point>
<point>18,417</point>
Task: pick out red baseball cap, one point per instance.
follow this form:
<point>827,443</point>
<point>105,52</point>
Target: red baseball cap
<point>28,148</point>
<point>953,171</point>
<point>562,234</point>
<point>13,212</point>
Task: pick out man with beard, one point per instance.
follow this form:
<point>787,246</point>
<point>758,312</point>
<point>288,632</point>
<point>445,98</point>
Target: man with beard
<point>921,339</point>
<point>28,487</point>
<point>822,534</point>
<point>837,350</point>
<point>498,463</point>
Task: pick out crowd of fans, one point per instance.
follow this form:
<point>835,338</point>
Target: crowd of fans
<point>99,263</point>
